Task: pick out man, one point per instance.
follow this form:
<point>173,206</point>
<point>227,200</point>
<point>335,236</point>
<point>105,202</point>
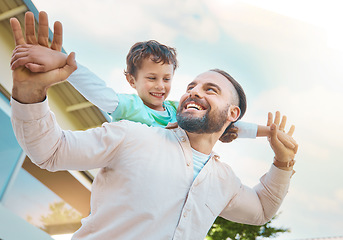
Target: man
<point>145,188</point>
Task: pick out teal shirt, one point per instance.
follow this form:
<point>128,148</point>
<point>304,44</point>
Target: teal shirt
<point>131,107</point>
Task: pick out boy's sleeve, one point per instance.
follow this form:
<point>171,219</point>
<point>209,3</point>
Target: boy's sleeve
<point>246,130</point>
<point>94,89</point>
<point>131,107</point>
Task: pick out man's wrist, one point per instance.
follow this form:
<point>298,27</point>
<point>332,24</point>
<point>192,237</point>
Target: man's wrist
<point>285,165</point>
<point>21,95</point>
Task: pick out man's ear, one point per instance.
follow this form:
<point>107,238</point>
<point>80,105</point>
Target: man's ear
<point>233,113</point>
<point>131,80</point>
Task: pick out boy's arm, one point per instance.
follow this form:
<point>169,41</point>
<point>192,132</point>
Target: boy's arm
<point>42,59</point>
<point>94,89</point>
<point>251,130</point>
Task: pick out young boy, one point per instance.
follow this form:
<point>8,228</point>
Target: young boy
<point>150,70</point>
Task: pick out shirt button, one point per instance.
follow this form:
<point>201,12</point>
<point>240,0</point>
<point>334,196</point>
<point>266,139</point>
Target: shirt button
<point>185,214</point>
<point>183,139</point>
<point>188,164</point>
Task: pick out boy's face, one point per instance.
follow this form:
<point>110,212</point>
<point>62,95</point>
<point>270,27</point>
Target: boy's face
<point>152,83</point>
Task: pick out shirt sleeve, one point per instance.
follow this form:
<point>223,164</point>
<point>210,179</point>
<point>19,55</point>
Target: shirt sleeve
<point>258,205</point>
<point>52,148</point>
<point>246,130</point>
<point>94,89</point>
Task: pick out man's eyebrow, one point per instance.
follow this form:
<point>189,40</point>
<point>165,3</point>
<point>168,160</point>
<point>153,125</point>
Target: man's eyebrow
<point>213,85</point>
<point>192,83</point>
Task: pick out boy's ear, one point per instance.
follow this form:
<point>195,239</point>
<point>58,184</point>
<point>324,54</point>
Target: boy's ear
<point>131,80</point>
<point>233,113</point>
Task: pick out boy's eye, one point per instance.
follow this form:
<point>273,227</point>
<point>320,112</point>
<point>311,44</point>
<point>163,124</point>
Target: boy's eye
<point>151,78</point>
<point>166,79</point>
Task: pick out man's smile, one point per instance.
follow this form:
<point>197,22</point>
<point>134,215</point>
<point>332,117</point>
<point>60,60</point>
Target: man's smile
<point>194,105</point>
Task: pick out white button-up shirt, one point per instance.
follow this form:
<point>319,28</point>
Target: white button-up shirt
<point>145,188</point>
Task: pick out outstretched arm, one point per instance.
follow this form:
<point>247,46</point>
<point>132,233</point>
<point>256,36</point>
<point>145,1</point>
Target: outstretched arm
<point>258,205</point>
<point>242,129</point>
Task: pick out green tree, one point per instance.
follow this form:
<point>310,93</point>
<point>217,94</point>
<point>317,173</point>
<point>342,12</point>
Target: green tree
<point>223,229</point>
<point>60,213</point>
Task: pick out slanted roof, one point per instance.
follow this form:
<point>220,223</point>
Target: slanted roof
<point>75,104</point>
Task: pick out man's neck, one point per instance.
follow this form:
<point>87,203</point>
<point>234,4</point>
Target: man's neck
<point>203,143</point>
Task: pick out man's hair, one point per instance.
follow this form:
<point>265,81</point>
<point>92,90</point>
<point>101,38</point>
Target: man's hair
<point>242,101</point>
<point>152,49</point>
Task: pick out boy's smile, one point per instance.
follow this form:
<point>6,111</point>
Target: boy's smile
<point>152,82</point>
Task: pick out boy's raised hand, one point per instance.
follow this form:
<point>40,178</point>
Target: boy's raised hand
<point>22,54</point>
<point>37,58</point>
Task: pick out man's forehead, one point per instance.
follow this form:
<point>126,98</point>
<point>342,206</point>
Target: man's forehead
<point>214,78</point>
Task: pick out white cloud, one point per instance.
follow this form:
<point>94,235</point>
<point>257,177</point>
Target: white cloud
<point>339,195</point>
<point>122,21</point>
<point>328,204</point>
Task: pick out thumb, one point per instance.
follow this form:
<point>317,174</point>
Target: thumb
<point>70,67</point>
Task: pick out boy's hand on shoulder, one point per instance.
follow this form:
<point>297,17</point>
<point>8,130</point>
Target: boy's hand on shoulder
<point>230,134</point>
<point>37,58</point>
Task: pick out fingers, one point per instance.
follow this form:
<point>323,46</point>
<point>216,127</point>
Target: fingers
<point>270,119</point>
<point>277,118</point>
<point>58,37</point>
<point>43,29</point>
<point>30,28</point>
<point>289,143</point>
<point>273,136</point>
<point>17,32</point>
<point>33,67</point>
<point>20,53</point>
<point>283,123</point>
<point>296,149</point>
<point>291,130</point>
<point>19,59</point>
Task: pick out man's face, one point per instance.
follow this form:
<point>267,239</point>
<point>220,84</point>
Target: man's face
<point>206,106</point>
<point>153,82</point>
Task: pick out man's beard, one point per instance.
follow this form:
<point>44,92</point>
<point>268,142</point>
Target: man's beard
<point>209,123</point>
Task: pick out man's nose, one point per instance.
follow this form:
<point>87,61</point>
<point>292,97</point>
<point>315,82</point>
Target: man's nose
<point>195,92</point>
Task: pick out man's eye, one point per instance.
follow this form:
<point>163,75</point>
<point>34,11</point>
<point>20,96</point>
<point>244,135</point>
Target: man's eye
<point>211,90</point>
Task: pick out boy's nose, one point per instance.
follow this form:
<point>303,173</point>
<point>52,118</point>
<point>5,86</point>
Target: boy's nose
<point>159,85</point>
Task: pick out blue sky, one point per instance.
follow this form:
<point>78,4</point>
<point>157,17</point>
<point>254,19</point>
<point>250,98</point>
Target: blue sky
<point>286,54</point>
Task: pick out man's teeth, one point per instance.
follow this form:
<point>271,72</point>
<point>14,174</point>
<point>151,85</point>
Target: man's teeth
<point>193,105</point>
<point>157,94</point>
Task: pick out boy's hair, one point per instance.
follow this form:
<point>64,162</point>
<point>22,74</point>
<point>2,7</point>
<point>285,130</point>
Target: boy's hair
<point>152,49</point>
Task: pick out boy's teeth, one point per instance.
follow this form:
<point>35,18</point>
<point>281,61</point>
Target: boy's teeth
<point>157,94</point>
